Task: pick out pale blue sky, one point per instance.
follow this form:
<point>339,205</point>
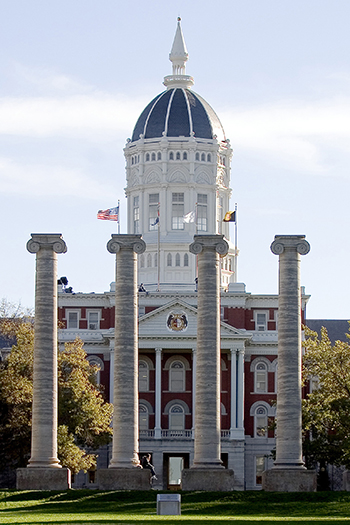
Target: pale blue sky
<point>76,74</point>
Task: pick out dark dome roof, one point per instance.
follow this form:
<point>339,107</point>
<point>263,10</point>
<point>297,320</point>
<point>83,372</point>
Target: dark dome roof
<point>176,113</point>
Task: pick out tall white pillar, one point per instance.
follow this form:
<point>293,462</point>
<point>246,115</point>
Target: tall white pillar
<point>121,473</point>
<point>237,393</point>
<point>206,472</point>
<point>158,394</point>
<point>289,473</point>
<point>43,461</point>
<point>194,370</point>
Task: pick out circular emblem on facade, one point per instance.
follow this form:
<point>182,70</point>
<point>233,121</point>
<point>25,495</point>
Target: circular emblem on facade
<point>177,322</point>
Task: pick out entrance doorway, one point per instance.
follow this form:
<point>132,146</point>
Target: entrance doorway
<point>173,464</point>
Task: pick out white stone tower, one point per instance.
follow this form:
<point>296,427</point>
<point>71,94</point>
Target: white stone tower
<point>177,162</point>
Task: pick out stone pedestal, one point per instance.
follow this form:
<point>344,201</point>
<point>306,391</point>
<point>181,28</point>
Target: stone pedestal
<point>208,479</point>
<point>44,419</point>
<point>289,473</point>
<point>346,480</point>
<point>39,478</point>
<point>124,479</point>
<point>125,380</point>
<point>207,434</point>
<point>289,480</point>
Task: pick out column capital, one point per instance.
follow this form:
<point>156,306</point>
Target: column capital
<point>52,241</point>
<point>119,241</point>
<point>158,350</point>
<point>216,242</point>
<point>290,242</point>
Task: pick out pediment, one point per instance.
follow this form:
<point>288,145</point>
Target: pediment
<point>178,320</point>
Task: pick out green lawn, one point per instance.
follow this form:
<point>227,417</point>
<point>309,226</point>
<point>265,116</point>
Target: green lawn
<point>87,507</point>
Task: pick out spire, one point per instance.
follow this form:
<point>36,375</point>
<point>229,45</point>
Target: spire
<point>178,56</point>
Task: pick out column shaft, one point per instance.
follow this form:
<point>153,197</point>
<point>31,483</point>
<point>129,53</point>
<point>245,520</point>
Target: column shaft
<point>44,418</point>
<point>125,383</point>
<point>207,446</point>
<point>158,394</point>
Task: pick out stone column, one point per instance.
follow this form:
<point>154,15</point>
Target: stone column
<point>206,472</point>
<point>237,393</point>
<point>194,370</point>
<point>121,473</point>
<point>158,395</point>
<point>44,470</point>
<point>289,473</point>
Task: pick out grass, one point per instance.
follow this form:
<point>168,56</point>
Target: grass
<point>85,507</point>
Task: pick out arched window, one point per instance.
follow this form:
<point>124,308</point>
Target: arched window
<point>177,377</point>
<point>149,260</point>
<point>260,377</point>
<point>132,160</point>
<point>224,161</point>
<point>177,259</point>
<point>147,157</point>
<point>176,418</point>
<point>260,422</point>
<point>184,156</point>
<point>142,261</point>
<point>203,157</point>
<point>197,156</point>
<point>143,417</point>
<point>156,260</point>
<point>171,156</point>
<point>186,259</point>
<point>159,156</point>
<point>153,156</point>
<point>169,261</point>
<point>178,155</point>
<point>230,264</point>
<point>96,361</point>
<point>143,376</point>
<point>208,157</point>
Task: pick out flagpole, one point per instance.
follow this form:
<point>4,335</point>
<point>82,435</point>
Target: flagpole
<point>158,288</point>
<point>236,250</point>
<point>118,217</point>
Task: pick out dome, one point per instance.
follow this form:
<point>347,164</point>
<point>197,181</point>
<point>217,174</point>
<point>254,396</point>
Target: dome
<point>178,112</point>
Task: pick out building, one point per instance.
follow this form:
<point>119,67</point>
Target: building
<point>178,168</point>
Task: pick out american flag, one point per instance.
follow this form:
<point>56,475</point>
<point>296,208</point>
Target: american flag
<point>109,215</point>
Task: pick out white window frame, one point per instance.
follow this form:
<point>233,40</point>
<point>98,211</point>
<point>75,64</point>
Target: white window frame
<point>259,325</point>
<point>97,324</point>
<point>262,460</point>
<point>177,210</point>
<point>175,410</point>
<point>261,367</point>
<point>153,203</point>
<point>136,213</point>
<point>171,378</point>
<point>260,412</point>
<point>71,311</point>
<point>145,386</point>
<point>143,420</point>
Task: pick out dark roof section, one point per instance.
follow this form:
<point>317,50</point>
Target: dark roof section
<point>171,114</point>
<point>336,328</point>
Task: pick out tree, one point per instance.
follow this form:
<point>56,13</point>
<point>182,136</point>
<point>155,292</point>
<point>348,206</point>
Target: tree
<point>326,409</point>
<point>83,417</point>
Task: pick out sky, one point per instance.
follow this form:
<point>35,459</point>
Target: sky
<point>76,74</point>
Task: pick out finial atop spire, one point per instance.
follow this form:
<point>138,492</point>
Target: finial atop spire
<point>178,56</point>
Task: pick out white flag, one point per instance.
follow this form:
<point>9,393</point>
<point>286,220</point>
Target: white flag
<point>190,217</point>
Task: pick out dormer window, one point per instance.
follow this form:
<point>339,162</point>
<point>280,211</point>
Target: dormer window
<point>260,318</point>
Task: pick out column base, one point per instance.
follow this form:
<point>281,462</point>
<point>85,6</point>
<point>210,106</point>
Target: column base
<point>216,480</point>
<point>41,478</point>
<point>346,480</point>
<point>289,480</point>
<point>124,479</point>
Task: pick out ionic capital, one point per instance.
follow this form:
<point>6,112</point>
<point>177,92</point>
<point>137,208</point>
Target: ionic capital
<point>50,241</point>
<point>290,242</point>
<point>120,241</point>
<point>216,242</point>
